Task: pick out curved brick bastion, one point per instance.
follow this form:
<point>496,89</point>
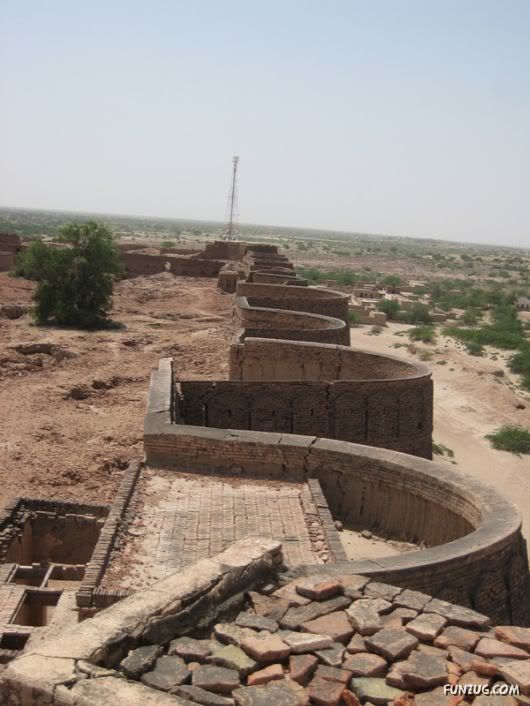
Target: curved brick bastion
<point>311,300</point>
<point>291,312</point>
<point>475,553</point>
<point>320,390</point>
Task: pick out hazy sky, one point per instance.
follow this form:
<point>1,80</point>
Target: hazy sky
<point>386,116</point>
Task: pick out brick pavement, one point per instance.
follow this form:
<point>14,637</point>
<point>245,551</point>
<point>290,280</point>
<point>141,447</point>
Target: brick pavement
<point>187,519</point>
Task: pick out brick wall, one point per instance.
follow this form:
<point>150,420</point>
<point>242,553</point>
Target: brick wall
<point>475,552</point>
<point>7,260</point>
<point>142,264</point>
<point>10,242</point>
<point>390,414</point>
<point>261,322</point>
<point>312,300</point>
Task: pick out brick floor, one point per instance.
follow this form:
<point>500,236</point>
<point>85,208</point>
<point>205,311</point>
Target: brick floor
<point>189,519</point>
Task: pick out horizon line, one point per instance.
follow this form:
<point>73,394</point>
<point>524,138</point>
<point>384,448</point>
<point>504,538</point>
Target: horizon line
<point>265,225</point>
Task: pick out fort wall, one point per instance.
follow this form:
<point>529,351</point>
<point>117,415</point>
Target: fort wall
<point>295,383</point>
<point>312,300</point>
<point>10,242</point>
<point>7,260</point>
<point>135,264</point>
<point>261,322</point>
<point>471,533</point>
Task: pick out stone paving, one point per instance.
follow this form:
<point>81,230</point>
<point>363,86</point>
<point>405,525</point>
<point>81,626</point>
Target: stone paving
<point>187,519</point>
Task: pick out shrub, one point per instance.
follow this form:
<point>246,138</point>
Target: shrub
<point>353,317</point>
<point>520,363</point>
<point>425,334</point>
<point>419,314</point>
<point>75,283</point>
<point>167,244</point>
<point>391,280</point>
<point>471,317</point>
<point>376,330</point>
<point>474,348</point>
<point>390,307</point>
<point>511,438</point>
<point>505,332</point>
<point>442,450</point>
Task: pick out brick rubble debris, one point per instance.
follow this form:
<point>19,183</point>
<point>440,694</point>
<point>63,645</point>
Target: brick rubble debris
<point>344,641</point>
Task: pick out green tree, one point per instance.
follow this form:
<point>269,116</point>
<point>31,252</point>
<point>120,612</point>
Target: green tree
<point>419,314</point>
<point>75,282</point>
<point>392,280</point>
<point>390,307</point>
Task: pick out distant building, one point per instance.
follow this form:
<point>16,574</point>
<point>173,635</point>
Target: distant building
<point>523,303</point>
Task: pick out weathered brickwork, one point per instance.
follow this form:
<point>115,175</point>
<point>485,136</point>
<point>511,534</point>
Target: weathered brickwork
<point>7,260</point>
<point>312,300</point>
<point>471,533</point>
<point>389,414</point>
<point>289,392</point>
<point>191,519</point>
<point>135,264</point>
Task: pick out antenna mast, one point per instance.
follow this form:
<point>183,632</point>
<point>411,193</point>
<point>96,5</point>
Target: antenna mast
<point>231,219</point>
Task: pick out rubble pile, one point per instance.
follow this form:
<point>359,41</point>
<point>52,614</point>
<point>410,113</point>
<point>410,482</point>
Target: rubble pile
<point>338,642</point>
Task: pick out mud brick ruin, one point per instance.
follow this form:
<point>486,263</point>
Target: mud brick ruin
<point>10,245</point>
<point>234,585</point>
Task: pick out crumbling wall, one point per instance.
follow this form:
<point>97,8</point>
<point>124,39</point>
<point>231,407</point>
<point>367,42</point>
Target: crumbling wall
<point>143,264</point>
<point>7,260</point>
<point>224,250</point>
<point>76,666</point>
<point>228,277</point>
<point>10,242</point>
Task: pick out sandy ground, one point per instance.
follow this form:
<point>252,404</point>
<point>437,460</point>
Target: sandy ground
<point>63,437</point>
<point>470,401</point>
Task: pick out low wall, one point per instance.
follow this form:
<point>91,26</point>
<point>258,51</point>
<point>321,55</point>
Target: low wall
<point>476,556</point>
<point>261,248</point>
<point>10,242</point>
<point>136,264</point>
<point>7,261</point>
<point>313,300</point>
<point>266,359</point>
<point>224,250</point>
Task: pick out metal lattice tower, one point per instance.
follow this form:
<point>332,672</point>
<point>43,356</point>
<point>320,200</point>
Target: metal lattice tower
<point>231,232</point>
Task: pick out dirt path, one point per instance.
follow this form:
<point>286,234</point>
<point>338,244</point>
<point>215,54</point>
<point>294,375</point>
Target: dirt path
<point>470,401</point>
<point>71,418</point>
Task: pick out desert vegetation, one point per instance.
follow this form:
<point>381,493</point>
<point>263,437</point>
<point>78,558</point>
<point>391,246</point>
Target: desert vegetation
<point>74,282</point>
<point>511,438</point>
